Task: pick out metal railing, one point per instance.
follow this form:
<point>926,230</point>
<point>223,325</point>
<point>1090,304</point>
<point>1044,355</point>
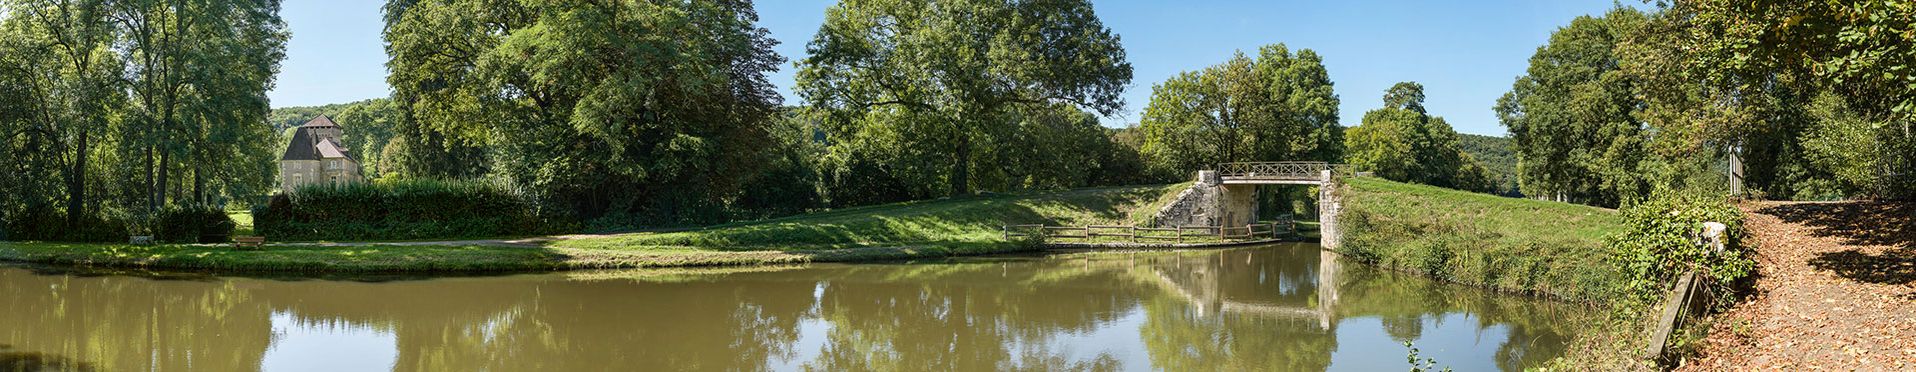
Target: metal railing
<point>1298,170</point>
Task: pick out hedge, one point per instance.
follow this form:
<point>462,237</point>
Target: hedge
<point>399,210</point>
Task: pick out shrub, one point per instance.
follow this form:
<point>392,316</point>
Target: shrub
<point>400,209</point>
<point>1662,239</point>
<point>192,224</point>
<point>48,223</point>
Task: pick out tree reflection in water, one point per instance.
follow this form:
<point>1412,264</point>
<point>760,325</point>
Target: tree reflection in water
<point>1273,307</point>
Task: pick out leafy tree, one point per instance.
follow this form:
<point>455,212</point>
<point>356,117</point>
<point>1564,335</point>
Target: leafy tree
<point>1572,115</point>
<point>1754,74</point>
<point>656,106</point>
<point>1497,158</point>
<point>920,91</point>
<point>167,97</point>
<point>1402,142</point>
<point>1278,106</point>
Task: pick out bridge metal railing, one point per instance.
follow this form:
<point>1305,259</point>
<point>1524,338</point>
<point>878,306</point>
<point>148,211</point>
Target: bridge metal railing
<point>1281,169</point>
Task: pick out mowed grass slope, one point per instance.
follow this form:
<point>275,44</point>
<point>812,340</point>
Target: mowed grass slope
<point>935,228</point>
<point>1511,244</point>
<point>968,221</point>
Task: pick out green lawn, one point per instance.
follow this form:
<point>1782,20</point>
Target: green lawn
<point>972,222</point>
<point>242,222</point>
<point>1511,244</point>
<point>935,228</point>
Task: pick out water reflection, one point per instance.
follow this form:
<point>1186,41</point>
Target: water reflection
<point>1287,307</point>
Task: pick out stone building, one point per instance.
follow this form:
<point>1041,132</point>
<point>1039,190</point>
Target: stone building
<point>317,156</point>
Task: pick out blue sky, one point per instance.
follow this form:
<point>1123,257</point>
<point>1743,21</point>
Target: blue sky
<point>1465,53</point>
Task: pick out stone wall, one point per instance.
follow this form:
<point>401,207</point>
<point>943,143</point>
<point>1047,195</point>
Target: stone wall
<point>1329,209</point>
<point>296,173</point>
<point>1195,206</point>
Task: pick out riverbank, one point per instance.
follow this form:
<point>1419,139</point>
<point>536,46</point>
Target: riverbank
<point>1509,244</point>
<point>911,230</point>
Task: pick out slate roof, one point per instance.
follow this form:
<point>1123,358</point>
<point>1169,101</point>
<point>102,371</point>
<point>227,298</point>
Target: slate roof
<point>304,146</point>
<point>321,122</point>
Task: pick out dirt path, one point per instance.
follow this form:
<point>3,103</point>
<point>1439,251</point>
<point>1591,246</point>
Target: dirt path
<point>1836,291</point>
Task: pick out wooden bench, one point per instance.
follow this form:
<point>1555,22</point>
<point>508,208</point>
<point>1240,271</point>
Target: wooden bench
<point>244,242</point>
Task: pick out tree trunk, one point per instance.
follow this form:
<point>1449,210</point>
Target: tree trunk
<point>961,167</point>
<point>199,186</point>
<point>152,189</point>
<point>76,186</point>
<point>165,187</point>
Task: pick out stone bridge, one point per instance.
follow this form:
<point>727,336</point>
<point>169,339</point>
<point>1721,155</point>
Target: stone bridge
<point>1227,196</point>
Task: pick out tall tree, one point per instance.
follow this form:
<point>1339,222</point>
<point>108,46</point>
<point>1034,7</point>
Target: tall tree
<point>607,107</point>
<point>1402,142</point>
<point>69,76</point>
<point>1774,77</point>
<point>945,78</point>
<point>1572,115</point>
<point>1278,106</point>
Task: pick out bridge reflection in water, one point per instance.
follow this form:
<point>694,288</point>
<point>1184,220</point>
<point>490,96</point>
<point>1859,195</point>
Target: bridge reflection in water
<point>1285,307</point>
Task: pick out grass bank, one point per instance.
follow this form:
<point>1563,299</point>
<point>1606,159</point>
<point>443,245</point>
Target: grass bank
<point>1510,244</point>
<point>971,221</point>
<point>924,229</point>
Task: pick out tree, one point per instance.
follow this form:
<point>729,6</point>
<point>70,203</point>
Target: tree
<point>1402,142</point>
<point>1572,116</point>
<point>1769,76</point>
<point>620,107</point>
<point>104,85</point>
<point>1278,106</point>
<point>944,79</point>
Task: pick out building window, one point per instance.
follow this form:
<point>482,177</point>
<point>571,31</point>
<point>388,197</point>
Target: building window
<point>295,183</point>
<point>332,164</point>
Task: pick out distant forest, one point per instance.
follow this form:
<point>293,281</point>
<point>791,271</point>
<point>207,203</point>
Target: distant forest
<point>1495,154</point>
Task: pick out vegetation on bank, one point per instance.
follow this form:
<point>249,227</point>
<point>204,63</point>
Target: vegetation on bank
<point>935,228</point>
<point>401,210</point>
<point>1623,261</point>
<point>970,220</point>
<point>1508,244</point>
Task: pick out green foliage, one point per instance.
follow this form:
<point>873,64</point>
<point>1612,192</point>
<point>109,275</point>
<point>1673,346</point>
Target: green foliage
<point>1503,243</point>
<point>1418,363</point>
<point>398,210</point>
<point>1661,239</point>
<point>1278,106</point>
<point>192,225</point>
<point>974,220</point>
<point>913,95</point>
<point>1401,142</point>
<point>1495,154</point>
<point>132,105</point>
<point>1781,80</point>
<point>658,108</point>
<point>1571,115</point>
<point>50,224</point>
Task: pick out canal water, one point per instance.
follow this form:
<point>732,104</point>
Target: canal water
<point>1279,307</point>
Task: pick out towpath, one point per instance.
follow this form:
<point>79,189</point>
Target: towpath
<point>1836,291</point>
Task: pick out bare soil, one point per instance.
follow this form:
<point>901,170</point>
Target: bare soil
<point>1836,290</point>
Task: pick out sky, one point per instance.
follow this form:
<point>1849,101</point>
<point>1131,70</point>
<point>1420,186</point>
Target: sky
<point>1466,54</point>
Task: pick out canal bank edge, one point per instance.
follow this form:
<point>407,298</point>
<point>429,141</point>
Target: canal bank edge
<point>900,231</point>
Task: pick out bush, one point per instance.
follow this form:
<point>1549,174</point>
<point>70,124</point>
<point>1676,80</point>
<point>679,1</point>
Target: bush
<point>402,209</point>
<point>50,224</point>
<point>192,224</point>
<point>1662,239</point>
